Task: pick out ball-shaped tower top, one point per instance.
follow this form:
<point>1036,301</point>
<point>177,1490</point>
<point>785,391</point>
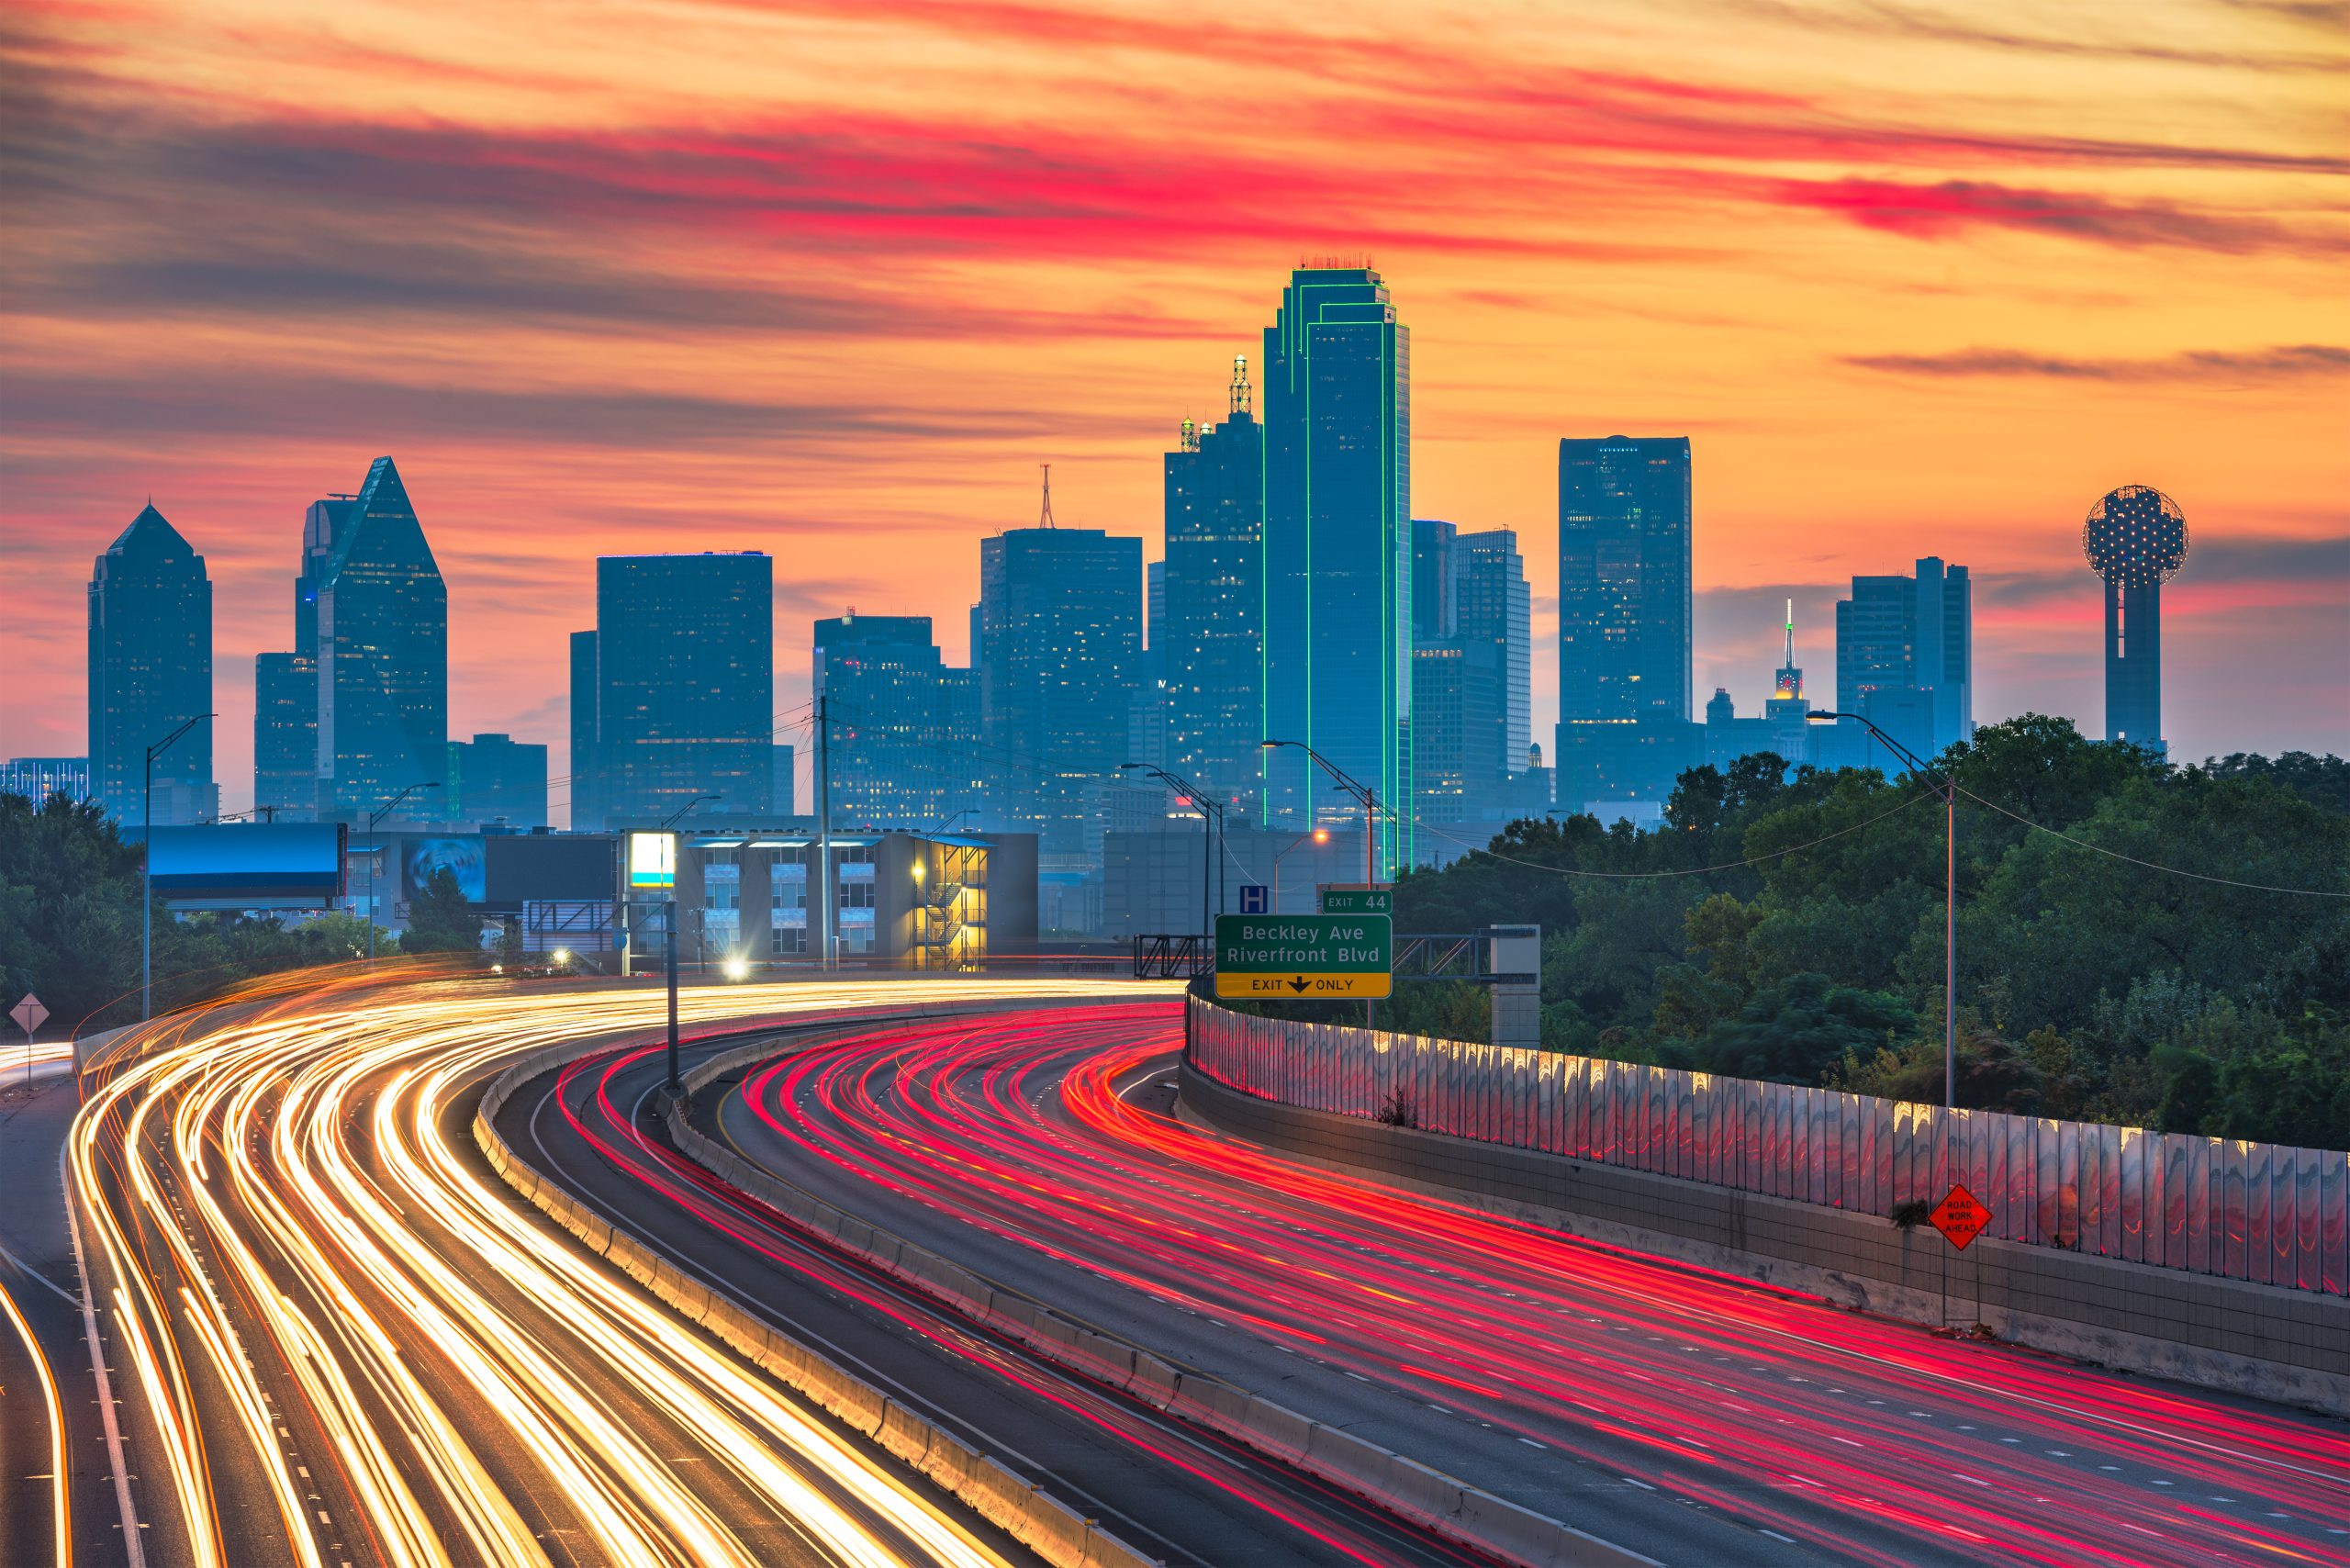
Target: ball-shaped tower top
<point>2135,537</point>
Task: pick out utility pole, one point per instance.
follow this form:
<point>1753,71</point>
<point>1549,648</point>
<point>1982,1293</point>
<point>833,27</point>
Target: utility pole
<point>820,889</point>
<point>669,932</point>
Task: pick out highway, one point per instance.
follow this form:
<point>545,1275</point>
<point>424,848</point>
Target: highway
<point>1698,1417</point>
<point>332,1336</point>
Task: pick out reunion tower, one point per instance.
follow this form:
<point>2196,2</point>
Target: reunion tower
<point>2135,539</point>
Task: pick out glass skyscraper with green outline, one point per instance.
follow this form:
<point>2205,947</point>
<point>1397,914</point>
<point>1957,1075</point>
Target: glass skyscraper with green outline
<point>1338,389</point>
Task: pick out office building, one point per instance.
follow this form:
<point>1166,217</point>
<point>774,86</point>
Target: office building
<point>685,685</point>
<point>784,791</point>
<point>1626,529</point>
<point>896,758</point>
<point>1209,640</point>
<point>1492,606</point>
<point>584,814</point>
<point>1472,697</point>
<point>1339,589</point>
<point>1905,655</point>
<point>382,645</point>
<point>2135,539</point>
<point>495,779</point>
<point>286,737</point>
<point>39,778</point>
<point>149,672</point>
<point>1061,633</point>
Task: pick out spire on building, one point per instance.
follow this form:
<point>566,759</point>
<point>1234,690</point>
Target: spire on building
<point>1191,434</point>
<point>1789,685</point>
<point>1044,520</point>
<point>1244,397</point>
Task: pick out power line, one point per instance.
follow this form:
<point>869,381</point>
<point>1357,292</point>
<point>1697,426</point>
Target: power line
<point>1691,871</point>
<point>2149,865</point>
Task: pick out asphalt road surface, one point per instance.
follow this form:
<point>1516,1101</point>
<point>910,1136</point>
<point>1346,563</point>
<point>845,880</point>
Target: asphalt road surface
<point>1698,1417</point>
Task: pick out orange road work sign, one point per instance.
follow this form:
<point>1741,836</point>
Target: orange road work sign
<point>1960,1217</point>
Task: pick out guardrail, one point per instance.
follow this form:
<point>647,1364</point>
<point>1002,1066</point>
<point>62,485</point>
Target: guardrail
<point>2267,1213</point>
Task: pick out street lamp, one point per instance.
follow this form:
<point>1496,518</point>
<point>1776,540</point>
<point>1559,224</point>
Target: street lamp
<point>1363,792</point>
<point>1918,768</point>
<point>1211,829</point>
<point>375,855</point>
<point>1319,835</point>
<point>669,820</point>
<point>147,876</point>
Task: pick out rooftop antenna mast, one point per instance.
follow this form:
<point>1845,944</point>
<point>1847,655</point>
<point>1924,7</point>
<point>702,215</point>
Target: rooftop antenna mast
<point>1790,658</point>
<point>1244,397</point>
<point>1045,520</point>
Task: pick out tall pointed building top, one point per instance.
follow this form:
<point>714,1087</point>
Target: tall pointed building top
<point>151,534</point>
<point>1044,518</point>
<point>1244,397</point>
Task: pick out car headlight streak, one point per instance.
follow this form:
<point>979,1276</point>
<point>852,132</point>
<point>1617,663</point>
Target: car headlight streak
<point>277,1192</point>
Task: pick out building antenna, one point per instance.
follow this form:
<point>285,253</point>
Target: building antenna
<point>1790,659</point>
<point>1244,397</point>
<point>1045,520</point>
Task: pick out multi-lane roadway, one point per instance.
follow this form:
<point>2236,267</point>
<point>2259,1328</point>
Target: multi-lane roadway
<point>329,1334</point>
<point>1694,1417</point>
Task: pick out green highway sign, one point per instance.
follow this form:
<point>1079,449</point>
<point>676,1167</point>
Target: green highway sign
<point>1298,958</point>
<point>1358,897</point>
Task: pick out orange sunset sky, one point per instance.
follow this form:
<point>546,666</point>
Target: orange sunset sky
<point>830,280</point>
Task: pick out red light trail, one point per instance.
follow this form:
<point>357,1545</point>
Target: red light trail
<point>1871,1439</point>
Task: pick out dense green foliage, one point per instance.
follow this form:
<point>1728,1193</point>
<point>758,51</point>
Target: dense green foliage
<point>68,925</point>
<point>1792,928</point>
<point>440,920</point>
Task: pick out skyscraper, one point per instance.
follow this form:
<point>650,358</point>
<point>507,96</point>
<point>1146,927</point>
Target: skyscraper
<point>1492,605</point>
<point>496,779</point>
<point>684,684</point>
<point>285,736</point>
<point>1061,631</point>
<point>1212,630</point>
<point>584,814</point>
<point>151,671</point>
<point>1339,548</point>
<point>383,651</point>
<point>896,756</point>
<point>1626,529</point>
<point>1471,698</point>
<point>1905,654</point>
<point>1625,534</point>
<point>2135,539</point>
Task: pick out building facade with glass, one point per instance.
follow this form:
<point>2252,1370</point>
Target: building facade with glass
<point>1337,435</point>
<point>684,664</point>
<point>151,671</point>
<point>1210,638</point>
<point>382,634</point>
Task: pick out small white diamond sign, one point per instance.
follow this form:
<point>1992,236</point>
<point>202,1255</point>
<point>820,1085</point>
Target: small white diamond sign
<point>29,1014</point>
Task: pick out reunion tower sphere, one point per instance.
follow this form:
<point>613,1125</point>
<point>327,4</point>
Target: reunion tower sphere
<point>2135,537</point>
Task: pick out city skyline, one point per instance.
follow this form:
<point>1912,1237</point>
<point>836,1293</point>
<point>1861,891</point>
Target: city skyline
<point>1922,275</point>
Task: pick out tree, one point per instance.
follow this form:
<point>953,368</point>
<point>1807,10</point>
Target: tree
<point>440,920</point>
<point>1797,1030</point>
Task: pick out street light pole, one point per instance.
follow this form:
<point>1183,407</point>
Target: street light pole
<point>1950,896</point>
<point>1319,835</point>
<point>669,932</point>
<point>1211,834</point>
<point>147,876</point>
<point>1363,792</point>
<point>375,855</point>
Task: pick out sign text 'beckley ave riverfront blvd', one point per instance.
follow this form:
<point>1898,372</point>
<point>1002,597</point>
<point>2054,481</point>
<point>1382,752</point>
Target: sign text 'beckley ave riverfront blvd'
<point>1296,957</point>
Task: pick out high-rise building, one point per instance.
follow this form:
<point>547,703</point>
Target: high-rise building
<point>1472,697</point>
<point>784,792</point>
<point>495,779</point>
<point>151,671</point>
<point>586,813</point>
<point>1209,639</point>
<point>685,685</point>
<point>383,653</point>
<point>39,778</point>
<point>2135,539</point>
<point>1626,531</point>
<point>1337,436</point>
<point>1905,655</point>
<point>897,760</point>
<point>1060,632</point>
<point>1494,605</point>
<point>1435,604</point>
<point>1625,581</point>
<point>285,736</point>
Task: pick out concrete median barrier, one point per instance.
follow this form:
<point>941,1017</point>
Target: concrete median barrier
<point>1058,1535</point>
<point>1422,1495</point>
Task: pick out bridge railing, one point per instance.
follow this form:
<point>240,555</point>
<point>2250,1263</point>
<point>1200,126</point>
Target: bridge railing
<point>2262,1212</point>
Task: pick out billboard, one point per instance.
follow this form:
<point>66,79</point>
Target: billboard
<point>652,862</point>
<point>249,864</point>
<point>527,867</point>
<point>421,857</point>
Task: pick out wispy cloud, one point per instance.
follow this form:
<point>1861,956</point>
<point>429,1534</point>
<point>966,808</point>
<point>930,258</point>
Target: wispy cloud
<point>2284,362</point>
